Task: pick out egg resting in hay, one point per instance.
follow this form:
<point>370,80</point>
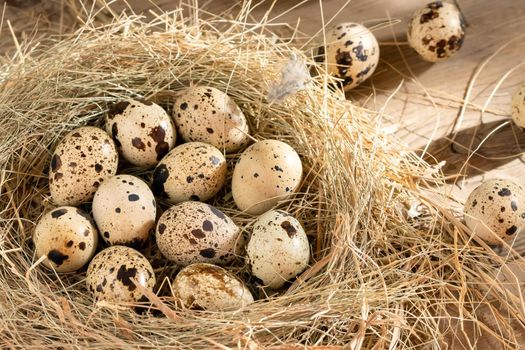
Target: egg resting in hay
<point>351,53</point>
<point>496,209</point>
<point>436,32</point>
<point>67,236</point>
<point>518,107</point>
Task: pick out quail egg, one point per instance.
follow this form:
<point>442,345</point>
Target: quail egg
<point>82,161</point>
<point>192,232</point>
<point>124,209</point>
<point>111,274</point>
<point>142,131</point>
<point>495,210</point>
<point>436,32</point>
<point>191,171</point>
<point>208,115</point>
<point>518,107</point>
<point>267,172</point>
<point>204,286</point>
<point>67,236</point>
<point>278,249</point>
<point>351,53</point>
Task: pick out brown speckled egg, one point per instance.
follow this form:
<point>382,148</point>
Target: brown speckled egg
<point>208,115</point>
<point>82,161</point>
<point>496,209</point>
<point>111,273</point>
<point>351,53</point>
<point>208,287</point>
<point>142,131</point>
<point>67,236</point>
<point>436,31</point>
<point>518,107</point>
<point>278,249</point>
<point>192,232</point>
<point>267,172</point>
<point>191,171</point>
<point>124,209</point>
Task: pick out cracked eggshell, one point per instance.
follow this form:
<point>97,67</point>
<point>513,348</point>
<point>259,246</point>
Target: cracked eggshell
<point>192,232</point>
<point>191,171</point>
<point>67,236</point>
<point>142,131</point>
<point>267,172</point>
<point>208,115</point>
<point>124,209</point>
<point>278,249</point>
<point>110,274</point>
<point>518,107</point>
<point>436,32</point>
<point>351,53</point>
<point>496,208</point>
<point>204,286</point>
<point>81,162</point>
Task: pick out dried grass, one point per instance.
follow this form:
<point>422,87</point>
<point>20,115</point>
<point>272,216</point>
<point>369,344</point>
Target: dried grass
<point>379,279</point>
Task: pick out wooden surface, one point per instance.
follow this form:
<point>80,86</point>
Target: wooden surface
<point>426,108</point>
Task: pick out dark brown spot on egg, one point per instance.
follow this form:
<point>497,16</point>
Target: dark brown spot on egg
<point>82,245</point>
<point>208,253</point>
<point>183,106</point>
<point>98,167</point>
<point>504,192</point>
<point>455,42</point>
<point>162,228</point>
<point>106,235</point>
<point>57,257</point>
<point>363,72</point>
<point>56,163</point>
<point>209,130</point>
<point>291,231</point>
<point>511,230</point>
<point>158,134</point>
<point>278,168</point>
<point>117,210</point>
<point>160,176</point>
<point>114,134</point>
<point>55,214</point>
<point>193,241</point>
<point>474,203</point>
<point>69,244</point>
<point>77,134</point>
<point>207,225</point>
<point>189,179</point>
<point>256,175</point>
<point>133,197</point>
<point>125,275</point>
<point>426,40</point>
<point>217,212</point>
<point>430,15</point>
<point>142,125</point>
<point>117,108</point>
<point>86,232</point>
<point>343,60</point>
<point>197,233</point>
<point>360,52</point>
<point>138,144</point>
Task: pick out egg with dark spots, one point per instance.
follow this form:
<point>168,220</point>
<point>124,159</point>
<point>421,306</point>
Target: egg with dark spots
<point>518,107</point>
<point>193,170</point>
<point>208,115</point>
<point>436,32</point>
<point>67,237</point>
<point>81,162</point>
<point>204,286</point>
<point>351,53</point>
<point>494,211</point>
<point>142,130</point>
<point>278,249</point>
<point>124,207</point>
<point>113,274</point>
<point>192,232</point>
<point>266,173</point>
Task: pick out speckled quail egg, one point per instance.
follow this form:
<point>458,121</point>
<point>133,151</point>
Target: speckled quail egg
<point>278,249</point>
<point>124,209</point>
<point>204,286</point>
<point>208,115</point>
<point>192,232</point>
<point>142,131</point>
<point>111,273</point>
<point>82,161</point>
<point>267,172</point>
<point>496,209</point>
<point>67,236</point>
<point>351,53</point>
<point>518,107</point>
<point>436,31</point>
<point>191,171</point>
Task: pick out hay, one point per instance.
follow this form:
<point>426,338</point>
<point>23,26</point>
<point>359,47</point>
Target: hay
<point>379,278</point>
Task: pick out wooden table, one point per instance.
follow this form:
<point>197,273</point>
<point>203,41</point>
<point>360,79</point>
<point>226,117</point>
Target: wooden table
<point>426,109</point>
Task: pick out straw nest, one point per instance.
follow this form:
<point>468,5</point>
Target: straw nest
<point>379,277</point>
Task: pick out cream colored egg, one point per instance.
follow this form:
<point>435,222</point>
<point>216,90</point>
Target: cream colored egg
<point>495,210</point>
<point>192,232</point>
<point>124,209</point>
<point>208,287</point>
<point>518,107</point>
<point>112,274</point>
<point>351,53</point>
<point>278,249</point>
<point>191,171</point>
<point>436,31</point>
<point>267,172</point>
<point>208,115</point>
<point>67,236</point>
<point>81,162</point>
<point>142,131</point>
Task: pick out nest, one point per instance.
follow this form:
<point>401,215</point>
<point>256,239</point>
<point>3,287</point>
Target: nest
<point>380,276</point>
